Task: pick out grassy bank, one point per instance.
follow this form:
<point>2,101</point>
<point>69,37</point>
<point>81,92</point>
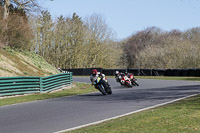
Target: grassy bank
<point>78,88</point>
<point>179,117</point>
<point>23,63</point>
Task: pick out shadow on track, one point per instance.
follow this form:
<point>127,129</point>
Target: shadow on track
<point>139,95</point>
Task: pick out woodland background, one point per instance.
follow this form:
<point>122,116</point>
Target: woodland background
<point>75,42</point>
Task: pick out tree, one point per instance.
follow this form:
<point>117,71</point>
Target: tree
<point>15,30</point>
<point>100,42</point>
<point>74,43</point>
<point>137,42</point>
<point>17,8</point>
<point>26,5</point>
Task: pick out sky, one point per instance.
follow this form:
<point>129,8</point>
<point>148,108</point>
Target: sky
<point>126,17</point>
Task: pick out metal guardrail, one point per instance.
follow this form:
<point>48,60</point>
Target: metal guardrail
<point>26,85</point>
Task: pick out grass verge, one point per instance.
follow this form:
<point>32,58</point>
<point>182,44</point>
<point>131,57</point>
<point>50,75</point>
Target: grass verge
<point>169,78</point>
<point>79,88</point>
<point>179,117</point>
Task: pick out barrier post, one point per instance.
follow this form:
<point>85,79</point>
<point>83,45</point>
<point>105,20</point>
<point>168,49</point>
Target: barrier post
<point>71,78</point>
<point>41,87</point>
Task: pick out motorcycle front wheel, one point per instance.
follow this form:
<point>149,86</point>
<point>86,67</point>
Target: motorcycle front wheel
<point>135,83</point>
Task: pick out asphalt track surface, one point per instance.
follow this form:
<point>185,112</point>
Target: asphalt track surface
<point>52,115</point>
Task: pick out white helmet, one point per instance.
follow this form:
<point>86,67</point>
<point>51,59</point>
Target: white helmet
<point>117,72</point>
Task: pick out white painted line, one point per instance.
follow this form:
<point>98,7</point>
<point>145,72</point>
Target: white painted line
<point>97,122</point>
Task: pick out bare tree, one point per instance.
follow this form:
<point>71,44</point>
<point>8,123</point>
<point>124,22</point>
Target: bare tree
<point>26,5</point>
<point>6,9</point>
<point>137,42</point>
<point>100,42</point>
<point>74,43</point>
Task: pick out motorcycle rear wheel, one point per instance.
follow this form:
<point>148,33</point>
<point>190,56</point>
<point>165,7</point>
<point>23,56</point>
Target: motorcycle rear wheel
<point>101,90</point>
<point>107,88</point>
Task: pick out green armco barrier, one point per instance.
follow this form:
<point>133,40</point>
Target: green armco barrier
<point>27,84</point>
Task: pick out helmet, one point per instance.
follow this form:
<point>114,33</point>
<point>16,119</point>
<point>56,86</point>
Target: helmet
<point>126,73</point>
<point>117,72</point>
<point>94,71</point>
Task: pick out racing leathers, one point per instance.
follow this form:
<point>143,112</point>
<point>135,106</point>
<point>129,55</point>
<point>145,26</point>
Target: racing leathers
<point>94,77</point>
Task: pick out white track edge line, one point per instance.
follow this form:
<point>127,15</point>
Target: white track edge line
<point>115,117</point>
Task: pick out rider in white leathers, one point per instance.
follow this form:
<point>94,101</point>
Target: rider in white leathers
<point>95,75</point>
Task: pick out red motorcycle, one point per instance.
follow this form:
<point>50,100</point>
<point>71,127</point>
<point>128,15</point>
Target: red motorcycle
<point>133,80</point>
<point>126,81</point>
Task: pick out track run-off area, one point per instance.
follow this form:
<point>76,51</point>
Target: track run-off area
<point>65,113</point>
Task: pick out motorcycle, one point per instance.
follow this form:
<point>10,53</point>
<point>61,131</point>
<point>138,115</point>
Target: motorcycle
<point>102,86</point>
<point>126,81</point>
<point>133,80</point>
<point>118,78</point>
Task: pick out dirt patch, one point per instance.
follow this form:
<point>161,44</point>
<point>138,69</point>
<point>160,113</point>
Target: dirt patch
<point>29,66</point>
<point>4,73</point>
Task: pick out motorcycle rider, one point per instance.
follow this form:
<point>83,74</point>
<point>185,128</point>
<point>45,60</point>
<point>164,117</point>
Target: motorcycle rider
<point>122,77</point>
<point>95,75</point>
<point>129,74</point>
<point>116,73</point>
<point>117,76</point>
<point>125,75</point>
